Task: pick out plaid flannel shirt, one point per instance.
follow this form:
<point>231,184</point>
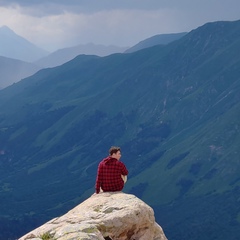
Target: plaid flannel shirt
<point>109,175</point>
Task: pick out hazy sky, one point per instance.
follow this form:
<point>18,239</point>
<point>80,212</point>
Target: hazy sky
<point>54,24</point>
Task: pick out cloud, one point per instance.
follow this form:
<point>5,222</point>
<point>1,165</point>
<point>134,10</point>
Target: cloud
<point>54,24</point>
<point>90,5</point>
<point>123,27</point>
<point>119,27</point>
<point>50,7</point>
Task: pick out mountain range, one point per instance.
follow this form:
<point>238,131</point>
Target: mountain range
<point>19,58</point>
<point>66,54</point>
<point>174,110</point>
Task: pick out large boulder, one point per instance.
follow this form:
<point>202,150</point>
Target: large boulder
<point>116,216</point>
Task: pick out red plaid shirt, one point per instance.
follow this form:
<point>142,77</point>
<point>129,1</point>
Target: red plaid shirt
<point>109,175</point>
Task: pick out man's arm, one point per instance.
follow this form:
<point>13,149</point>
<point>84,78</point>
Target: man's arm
<point>124,170</point>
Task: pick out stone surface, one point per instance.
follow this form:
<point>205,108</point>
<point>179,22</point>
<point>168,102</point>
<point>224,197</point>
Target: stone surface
<point>116,216</point>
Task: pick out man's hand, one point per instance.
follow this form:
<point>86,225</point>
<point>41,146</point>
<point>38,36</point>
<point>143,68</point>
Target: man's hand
<point>124,178</point>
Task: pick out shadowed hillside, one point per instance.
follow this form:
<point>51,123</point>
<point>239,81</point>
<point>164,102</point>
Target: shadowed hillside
<point>12,71</point>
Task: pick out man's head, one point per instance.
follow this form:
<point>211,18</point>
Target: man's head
<point>115,152</point>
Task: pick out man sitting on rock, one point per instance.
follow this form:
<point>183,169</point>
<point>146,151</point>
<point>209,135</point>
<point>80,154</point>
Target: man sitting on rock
<point>112,173</point>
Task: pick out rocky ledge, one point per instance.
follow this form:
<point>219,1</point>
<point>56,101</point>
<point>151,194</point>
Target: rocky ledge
<point>104,216</point>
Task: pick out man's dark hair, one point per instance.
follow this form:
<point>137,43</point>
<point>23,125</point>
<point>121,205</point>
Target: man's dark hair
<point>114,149</point>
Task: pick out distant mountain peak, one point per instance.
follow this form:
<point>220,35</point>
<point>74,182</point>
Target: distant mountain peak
<point>6,30</point>
<point>5,27</point>
<point>14,46</point>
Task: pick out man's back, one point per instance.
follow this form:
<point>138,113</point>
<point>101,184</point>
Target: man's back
<point>109,178</point>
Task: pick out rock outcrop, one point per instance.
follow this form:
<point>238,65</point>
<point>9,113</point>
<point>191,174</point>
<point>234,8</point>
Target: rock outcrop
<point>116,216</point>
